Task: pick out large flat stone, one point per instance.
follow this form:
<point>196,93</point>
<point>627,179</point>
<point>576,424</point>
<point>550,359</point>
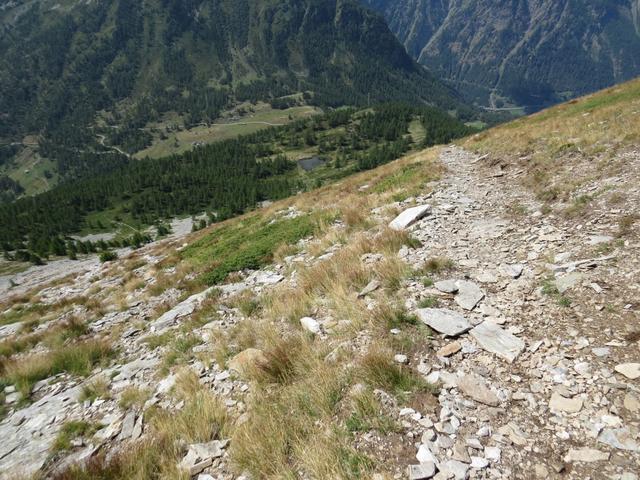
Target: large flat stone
<point>409,217</point>
<point>447,322</point>
<point>619,438</point>
<point>423,471</point>
<point>476,388</point>
<point>187,307</point>
<point>469,294</point>
<point>586,455</point>
<point>562,404</point>
<point>629,370</point>
<point>496,340</point>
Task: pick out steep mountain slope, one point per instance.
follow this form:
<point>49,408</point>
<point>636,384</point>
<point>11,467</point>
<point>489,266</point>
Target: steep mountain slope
<point>72,71</point>
<point>527,52</point>
<point>310,340</point>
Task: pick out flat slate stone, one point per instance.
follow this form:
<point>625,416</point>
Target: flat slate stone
<point>513,270</point>
<point>476,388</point>
<point>447,322</point>
<point>498,341</point>
<point>619,438</point>
<point>629,370</point>
<point>409,217</point>
<point>447,286</point>
<point>469,294</point>
<point>422,471</point>
<point>568,281</point>
<point>586,455</point>
<point>562,404</point>
<point>372,286</point>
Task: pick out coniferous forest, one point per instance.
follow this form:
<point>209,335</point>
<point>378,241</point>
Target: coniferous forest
<point>223,179</point>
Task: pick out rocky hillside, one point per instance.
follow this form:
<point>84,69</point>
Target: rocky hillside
<point>464,312</point>
<point>527,53</point>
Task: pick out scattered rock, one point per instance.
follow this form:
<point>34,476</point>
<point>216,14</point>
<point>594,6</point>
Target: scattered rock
<point>619,438</point>
<point>629,370</point>
<point>447,286</point>
<point>458,469</point>
<point>449,349</point>
<point>586,455</point>
<point>424,455</point>
<point>498,341</point>
<point>401,359</point>
<point>423,471</point>
<point>632,403</point>
<point>447,322</point>
<point>311,325</point>
<point>247,360</point>
<point>514,271</point>
<point>409,217</point>
<point>562,404</point>
<point>568,281</point>
<point>370,288</point>
<point>492,454</point>
<point>201,455</point>
<point>469,294</point>
<point>475,387</point>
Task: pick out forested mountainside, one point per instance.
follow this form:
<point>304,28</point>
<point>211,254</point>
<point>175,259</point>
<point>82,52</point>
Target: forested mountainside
<point>528,53</point>
<point>222,179</point>
<point>77,76</point>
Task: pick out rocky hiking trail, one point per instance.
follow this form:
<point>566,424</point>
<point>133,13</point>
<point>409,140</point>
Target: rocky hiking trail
<point>534,346</point>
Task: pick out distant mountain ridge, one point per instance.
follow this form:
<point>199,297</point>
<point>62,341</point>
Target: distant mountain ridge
<point>525,52</point>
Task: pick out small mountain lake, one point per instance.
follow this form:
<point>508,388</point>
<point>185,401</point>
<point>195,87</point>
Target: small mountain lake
<point>311,163</point>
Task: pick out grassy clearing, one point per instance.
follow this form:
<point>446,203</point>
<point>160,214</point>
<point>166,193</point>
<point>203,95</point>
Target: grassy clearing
<point>182,140</point>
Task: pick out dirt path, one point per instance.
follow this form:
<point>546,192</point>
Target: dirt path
<point>560,400</point>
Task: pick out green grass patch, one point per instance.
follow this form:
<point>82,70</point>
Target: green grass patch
<point>428,302</point>
<point>249,243</point>
<point>399,179</point>
<point>71,431</point>
<point>378,370</point>
<point>21,313</point>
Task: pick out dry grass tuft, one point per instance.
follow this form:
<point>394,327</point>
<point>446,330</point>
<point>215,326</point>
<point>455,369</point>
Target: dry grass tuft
<point>76,359</point>
<point>203,418</point>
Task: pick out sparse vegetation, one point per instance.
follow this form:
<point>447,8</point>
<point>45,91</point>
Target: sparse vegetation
<point>71,431</point>
<point>367,414</point>
<point>434,266</point>
<point>428,302</point>
<point>98,388</point>
<point>76,359</point>
<point>133,397</point>
<point>108,256</point>
<point>378,370</point>
<point>203,418</point>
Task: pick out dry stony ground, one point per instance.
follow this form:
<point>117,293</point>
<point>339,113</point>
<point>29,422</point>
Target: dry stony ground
<point>538,376</point>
